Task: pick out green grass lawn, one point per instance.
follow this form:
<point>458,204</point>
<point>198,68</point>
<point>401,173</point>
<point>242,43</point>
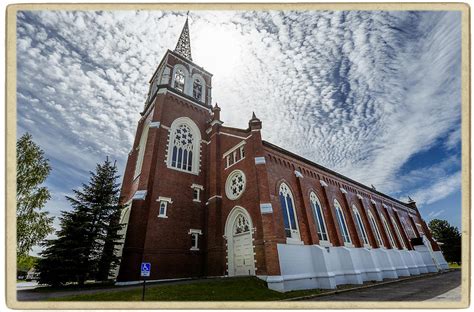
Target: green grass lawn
<point>227,289</point>
<point>453,265</point>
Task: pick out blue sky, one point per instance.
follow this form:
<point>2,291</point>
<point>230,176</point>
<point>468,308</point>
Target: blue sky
<point>373,95</point>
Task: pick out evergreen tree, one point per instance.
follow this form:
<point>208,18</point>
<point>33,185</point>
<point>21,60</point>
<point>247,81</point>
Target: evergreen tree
<point>86,244</point>
<point>33,225</point>
<point>449,235</point>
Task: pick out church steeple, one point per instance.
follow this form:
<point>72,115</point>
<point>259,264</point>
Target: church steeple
<point>183,47</point>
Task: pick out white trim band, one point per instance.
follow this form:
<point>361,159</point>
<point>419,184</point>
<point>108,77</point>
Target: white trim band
<point>298,174</point>
<point>139,195</point>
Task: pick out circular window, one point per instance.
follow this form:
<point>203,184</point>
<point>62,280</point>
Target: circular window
<point>235,185</point>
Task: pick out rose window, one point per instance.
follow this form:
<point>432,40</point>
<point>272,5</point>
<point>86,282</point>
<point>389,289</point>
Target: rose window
<point>235,184</point>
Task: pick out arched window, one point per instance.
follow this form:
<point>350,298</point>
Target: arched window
<point>318,217</point>
<point>289,213</point>
<point>341,220</point>
<point>197,89</point>
<point>141,150</point>
<point>360,225</point>
<point>389,233</point>
<point>399,234</point>
<point>375,229</point>
<point>179,79</point>
<point>183,148</point>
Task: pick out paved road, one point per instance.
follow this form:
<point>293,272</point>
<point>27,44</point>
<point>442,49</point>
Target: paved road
<point>442,287</point>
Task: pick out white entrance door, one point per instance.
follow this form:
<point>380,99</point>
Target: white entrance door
<point>243,249</point>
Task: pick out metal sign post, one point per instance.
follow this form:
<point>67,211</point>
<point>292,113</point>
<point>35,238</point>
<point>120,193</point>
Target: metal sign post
<point>145,269</point>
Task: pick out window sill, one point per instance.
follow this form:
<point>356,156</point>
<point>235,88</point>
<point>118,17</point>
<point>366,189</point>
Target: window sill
<point>349,245</point>
<point>196,200</point>
<point>367,246</point>
<point>194,249</point>
<point>227,167</point>
<point>163,216</point>
<point>181,170</point>
<point>325,243</point>
<point>294,241</point>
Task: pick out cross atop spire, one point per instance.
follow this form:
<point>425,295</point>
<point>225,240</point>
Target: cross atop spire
<point>183,47</point>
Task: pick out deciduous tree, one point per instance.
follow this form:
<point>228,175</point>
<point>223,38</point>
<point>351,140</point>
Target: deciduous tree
<point>449,235</point>
<point>33,224</point>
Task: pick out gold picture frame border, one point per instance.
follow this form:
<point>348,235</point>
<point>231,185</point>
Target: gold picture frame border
<point>11,118</point>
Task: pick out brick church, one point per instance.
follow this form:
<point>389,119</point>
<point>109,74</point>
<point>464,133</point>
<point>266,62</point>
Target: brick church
<point>203,199</point>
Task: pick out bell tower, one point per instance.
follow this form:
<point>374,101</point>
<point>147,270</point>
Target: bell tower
<point>163,187</point>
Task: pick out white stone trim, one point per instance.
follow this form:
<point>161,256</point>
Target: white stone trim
<point>266,208</point>
<point>359,196</point>
<point>298,174</point>
<point>259,160</point>
<point>166,199</point>
<point>165,127</point>
<point>325,243</point>
<point>139,195</point>
<point>197,231</point>
<point>294,241</point>
<point>373,201</point>
<point>343,190</point>
<point>215,121</point>
<point>212,197</point>
<point>154,124</point>
<point>385,206</point>
<point>235,136</point>
<point>323,184</point>
<point>230,150</point>
<point>193,186</point>
<point>183,98</point>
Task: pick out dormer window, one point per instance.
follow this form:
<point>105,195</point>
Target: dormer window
<point>179,79</point>
<point>197,89</point>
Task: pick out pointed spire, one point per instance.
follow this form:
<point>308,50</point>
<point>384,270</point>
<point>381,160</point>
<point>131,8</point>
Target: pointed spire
<point>253,116</point>
<point>183,47</point>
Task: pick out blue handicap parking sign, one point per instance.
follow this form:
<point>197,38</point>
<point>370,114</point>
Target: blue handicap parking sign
<point>145,269</point>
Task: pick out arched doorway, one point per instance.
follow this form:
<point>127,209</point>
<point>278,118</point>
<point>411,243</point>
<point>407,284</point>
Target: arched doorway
<point>240,258</point>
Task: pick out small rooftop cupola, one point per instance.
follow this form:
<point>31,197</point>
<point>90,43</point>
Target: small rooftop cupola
<point>255,123</point>
<point>183,47</point>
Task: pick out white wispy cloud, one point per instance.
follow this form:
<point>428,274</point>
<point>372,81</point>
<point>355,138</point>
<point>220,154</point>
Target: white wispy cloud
<point>358,92</point>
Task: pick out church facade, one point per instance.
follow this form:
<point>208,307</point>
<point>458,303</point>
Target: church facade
<point>202,199</point>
